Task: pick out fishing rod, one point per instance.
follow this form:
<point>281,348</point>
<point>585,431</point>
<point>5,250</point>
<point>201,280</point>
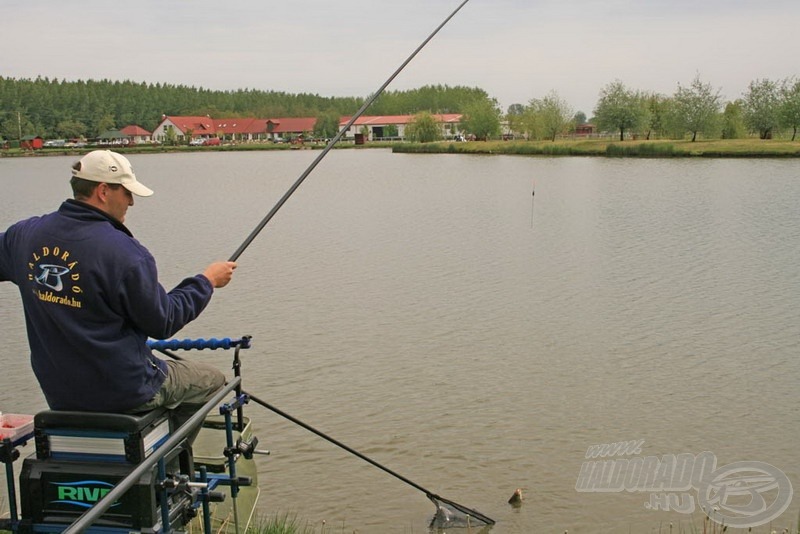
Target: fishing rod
<point>444,507</point>
<point>437,500</point>
<point>336,139</point>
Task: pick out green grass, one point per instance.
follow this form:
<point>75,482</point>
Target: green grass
<point>751,148</point>
<point>281,524</point>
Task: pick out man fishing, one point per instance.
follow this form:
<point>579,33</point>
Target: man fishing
<point>91,298</point>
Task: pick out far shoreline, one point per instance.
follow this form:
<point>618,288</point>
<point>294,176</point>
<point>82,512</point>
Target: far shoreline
<point>725,148</point>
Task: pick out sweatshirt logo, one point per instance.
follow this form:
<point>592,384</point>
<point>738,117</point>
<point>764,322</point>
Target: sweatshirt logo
<point>55,276</point>
<point>50,276</point>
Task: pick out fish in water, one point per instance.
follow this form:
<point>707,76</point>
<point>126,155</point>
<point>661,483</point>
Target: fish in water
<point>516,498</point>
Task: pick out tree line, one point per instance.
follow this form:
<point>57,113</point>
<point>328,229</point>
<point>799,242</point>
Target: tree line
<point>86,108</point>
<point>766,109</point>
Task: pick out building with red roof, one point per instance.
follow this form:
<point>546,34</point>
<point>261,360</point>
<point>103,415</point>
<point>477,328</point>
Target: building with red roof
<point>31,142</point>
<point>240,129</point>
<point>136,134</point>
<point>244,129</point>
<point>181,128</point>
<point>288,127</point>
<point>376,124</point>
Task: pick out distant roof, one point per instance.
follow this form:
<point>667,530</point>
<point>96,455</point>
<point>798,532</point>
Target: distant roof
<point>196,124</point>
<point>241,125</point>
<point>291,124</point>
<point>202,126</point>
<point>134,129</point>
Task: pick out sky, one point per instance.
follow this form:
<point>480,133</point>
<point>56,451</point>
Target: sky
<point>516,50</point>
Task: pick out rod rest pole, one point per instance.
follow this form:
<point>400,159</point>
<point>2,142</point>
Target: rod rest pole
<point>8,454</point>
<point>91,515</point>
<point>200,343</point>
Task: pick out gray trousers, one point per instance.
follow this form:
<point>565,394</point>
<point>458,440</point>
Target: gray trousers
<point>187,387</point>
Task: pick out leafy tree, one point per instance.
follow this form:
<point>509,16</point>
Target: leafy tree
<point>327,125</point>
<point>619,108</point>
<point>660,108</point>
<point>103,104</point>
<point>531,123</point>
<point>9,128</point>
<point>423,128</point>
<point>170,137</point>
<point>579,118</point>
<point>696,107</point>
<point>106,122</point>
<point>515,109</point>
<point>432,98</point>
<point>790,105</point>
<point>514,117</point>
<point>482,119</point>
<point>70,129</point>
<point>390,130</point>
<point>733,126</point>
<point>17,126</point>
<point>762,107</point>
<point>553,115</point>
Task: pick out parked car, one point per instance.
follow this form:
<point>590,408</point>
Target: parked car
<point>50,143</point>
<point>213,141</point>
<point>197,141</point>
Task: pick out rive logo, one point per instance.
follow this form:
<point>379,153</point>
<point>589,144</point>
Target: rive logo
<point>82,493</point>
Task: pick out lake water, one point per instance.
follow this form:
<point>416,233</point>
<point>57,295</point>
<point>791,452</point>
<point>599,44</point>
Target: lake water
<point>431,313</point>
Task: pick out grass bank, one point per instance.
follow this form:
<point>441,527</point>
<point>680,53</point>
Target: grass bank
<point>733,148</point>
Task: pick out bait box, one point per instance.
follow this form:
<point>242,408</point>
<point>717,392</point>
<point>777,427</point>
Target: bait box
<point>16,427</point>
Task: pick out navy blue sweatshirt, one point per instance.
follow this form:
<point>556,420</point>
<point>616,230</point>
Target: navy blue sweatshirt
<point>91,297</point>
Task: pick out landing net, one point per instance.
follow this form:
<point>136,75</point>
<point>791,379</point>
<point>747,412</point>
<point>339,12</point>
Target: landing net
<point>453,515</point>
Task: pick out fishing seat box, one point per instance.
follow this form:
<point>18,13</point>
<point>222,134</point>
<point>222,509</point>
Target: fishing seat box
<point>97,436</point>
<point>81,456</point>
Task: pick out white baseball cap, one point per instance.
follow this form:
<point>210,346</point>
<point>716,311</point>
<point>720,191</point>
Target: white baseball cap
<point>110,168</point>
